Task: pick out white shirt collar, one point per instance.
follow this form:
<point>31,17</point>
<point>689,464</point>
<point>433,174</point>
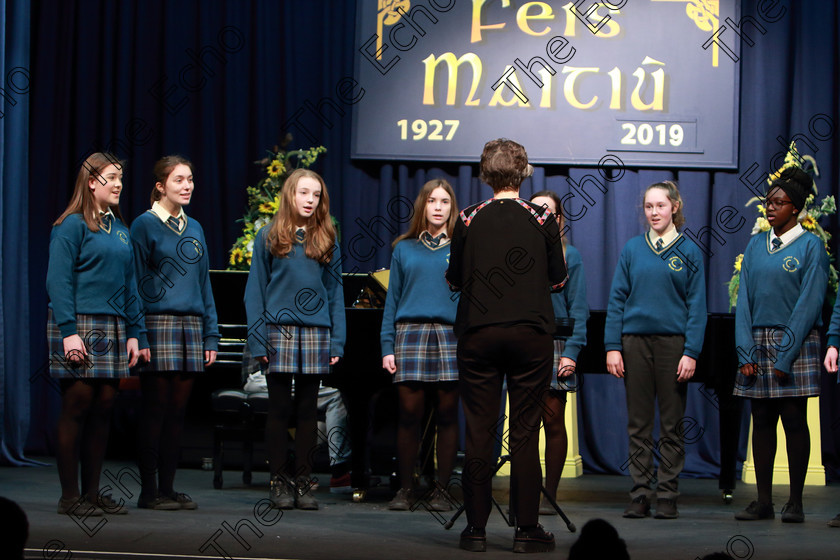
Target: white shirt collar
<point>164,214</point>
<point>667,238</point>
<point>787,236</point>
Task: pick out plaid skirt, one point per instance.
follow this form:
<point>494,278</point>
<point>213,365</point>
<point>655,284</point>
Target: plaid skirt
<point>425,352</point>
<point>104,337</point>
<point>294,349</point>
<point>803,379</point>
<point>566,383</point>
<point>176,343</point>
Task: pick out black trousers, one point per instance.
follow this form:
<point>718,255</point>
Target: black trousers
<point>485,356</point>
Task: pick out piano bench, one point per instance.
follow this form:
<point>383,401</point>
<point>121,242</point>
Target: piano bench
<point>238,416</point>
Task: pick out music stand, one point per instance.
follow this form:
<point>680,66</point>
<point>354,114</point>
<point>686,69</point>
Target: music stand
<point>509,518</point>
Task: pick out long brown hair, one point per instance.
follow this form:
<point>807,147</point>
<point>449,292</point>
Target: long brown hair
<point>673,192</point>
<point>419,222</point>
<point>163,169</point>
<point>320,232</point>
<point>558,204</point>
<point>82,201</point>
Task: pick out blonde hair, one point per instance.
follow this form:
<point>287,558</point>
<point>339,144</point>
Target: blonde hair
<point>320,232</point>
<point>419,222</point>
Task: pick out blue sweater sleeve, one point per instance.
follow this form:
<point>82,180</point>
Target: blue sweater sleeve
<point>135,323</point>
<point>392,300</point>
<point>139,245</point>
<point>576,305</point>
<point>695,299</point>
<point>332,281</point>
<point>255,297</point>
<point>65,245</point>
<point>743,316</point>
<point>210,321</point>
<point>834,326</point>
<point>808,306</point>
<point>619,293</point>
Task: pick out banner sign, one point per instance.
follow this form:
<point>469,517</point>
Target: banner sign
<point>652,83</point>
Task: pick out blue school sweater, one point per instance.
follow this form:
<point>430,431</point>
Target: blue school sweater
<point>417,289</point>
<point>293,290</point>
<point>783,289</point>
<point>92,273</point>
<point>173,272</point>
<point>658,292</point>
<point>834,327</point>
<point>571,302</point>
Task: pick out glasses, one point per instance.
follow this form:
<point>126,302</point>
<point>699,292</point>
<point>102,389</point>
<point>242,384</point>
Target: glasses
<point>776,203</point>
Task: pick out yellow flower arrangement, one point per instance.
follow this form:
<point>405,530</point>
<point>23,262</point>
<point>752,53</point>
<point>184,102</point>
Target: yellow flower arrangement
<point>808,217</point>
<point>264,197</point>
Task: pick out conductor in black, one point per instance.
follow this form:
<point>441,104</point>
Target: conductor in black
<point>506,258</point>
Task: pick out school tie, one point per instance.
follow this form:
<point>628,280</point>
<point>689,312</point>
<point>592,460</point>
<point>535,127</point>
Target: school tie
<point>659,244</point>
<point>105,220</point>
<point>431,242</point>
<point>300,235</point>
<point>776,243</point>
<point>175,223</point>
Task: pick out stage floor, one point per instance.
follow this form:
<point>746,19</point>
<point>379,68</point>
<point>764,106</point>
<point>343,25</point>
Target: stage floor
<point>342,529</point>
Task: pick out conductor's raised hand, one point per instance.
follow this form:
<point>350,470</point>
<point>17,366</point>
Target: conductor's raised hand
<point>615,363</point>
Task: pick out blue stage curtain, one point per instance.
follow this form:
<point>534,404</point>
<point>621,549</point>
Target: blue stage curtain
<point>14,254</point>
<point>94,63</point>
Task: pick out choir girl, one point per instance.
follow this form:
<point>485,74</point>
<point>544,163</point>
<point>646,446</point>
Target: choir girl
<point>296,326</point>
<point>94,328</point>
<point>418,343</point>
<point>656,320</point>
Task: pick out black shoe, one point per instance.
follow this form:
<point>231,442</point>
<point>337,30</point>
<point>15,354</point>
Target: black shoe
<point>184,500</point>
<point>473,539</point>
<point>533,539</point>
<point>638,508</point>
<point>160,503</point>
<point>79,507</point>
<point>835,522</point>
<point>110,506</point>
<point>402,500</point>
<point>792,513</point>
<point>304,498</point>
<point>281,493</point>
<point>756,511</point>
<point>666,508</point>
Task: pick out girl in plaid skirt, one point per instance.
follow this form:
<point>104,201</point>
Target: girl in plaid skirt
<point>784,275</point>
<point>296,328</point>
<point>93,328</point>
<point>173,275</point>
<point>571,302</point>
<point>418,343</point>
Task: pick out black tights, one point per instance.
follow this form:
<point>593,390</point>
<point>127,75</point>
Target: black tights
<point>165,396</point>
<point>556,440</point>
<point>766,414</point>
<point>412,406</point>
<point>280,407</point>
<point>83,428</point>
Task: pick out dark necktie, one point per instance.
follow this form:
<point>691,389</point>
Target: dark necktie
<point>431,242</point>
<point>776,243</point>
<point>300,235</point>
<point>175,223</point>
<point>105,220</point>
<point>659,244</point>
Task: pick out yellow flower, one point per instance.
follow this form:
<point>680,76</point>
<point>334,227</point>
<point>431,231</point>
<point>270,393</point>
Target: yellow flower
<point>809,223</point>
<point>738,261</point>
<point>763,224</point>
<point>761,210</point>
<point>276,168</point>
<point>235,256</point>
